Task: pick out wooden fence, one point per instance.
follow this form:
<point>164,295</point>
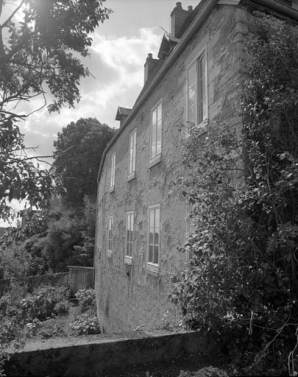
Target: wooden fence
<point>80,278</point>
<point>77,278</point>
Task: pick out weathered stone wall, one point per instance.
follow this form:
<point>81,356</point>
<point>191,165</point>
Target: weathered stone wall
<point>130,296</point>
<point>94,356</point>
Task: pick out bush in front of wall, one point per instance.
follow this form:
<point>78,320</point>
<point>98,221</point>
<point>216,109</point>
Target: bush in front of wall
<point>86,299</point>
<point>242,277</point>
<point>86,324</point>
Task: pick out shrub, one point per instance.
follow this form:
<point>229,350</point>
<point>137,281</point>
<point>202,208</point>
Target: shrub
<point>241,280</point>
<point>87,300</point>
<point>86,324</point>
<point>43,302</point>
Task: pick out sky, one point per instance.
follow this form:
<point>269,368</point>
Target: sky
<point>118,54</point>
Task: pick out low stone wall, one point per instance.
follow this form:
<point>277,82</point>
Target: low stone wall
<point>94,354</point>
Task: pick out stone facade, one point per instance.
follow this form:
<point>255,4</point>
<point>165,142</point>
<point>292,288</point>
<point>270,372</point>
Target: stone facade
<point>129,294</point>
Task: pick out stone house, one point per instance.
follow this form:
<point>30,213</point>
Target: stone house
<point>141,220</point>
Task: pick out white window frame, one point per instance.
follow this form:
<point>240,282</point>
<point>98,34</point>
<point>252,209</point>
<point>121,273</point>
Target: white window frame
<point>156,132</point>
<point>132,154</point>
<point>129,236</point>
<point>110,236</point>
<point>199,86</point>
<point>152,261</point>
<point>113,171</point>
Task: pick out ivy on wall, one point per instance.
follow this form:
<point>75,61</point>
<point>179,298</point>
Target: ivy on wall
<point>241,279</point>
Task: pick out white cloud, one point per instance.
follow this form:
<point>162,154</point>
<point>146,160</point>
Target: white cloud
<point>117,65</point>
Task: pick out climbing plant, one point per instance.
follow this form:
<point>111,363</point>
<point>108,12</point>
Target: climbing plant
<point>242,186</point>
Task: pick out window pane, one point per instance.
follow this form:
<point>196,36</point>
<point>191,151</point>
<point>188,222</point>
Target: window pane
<point>204,94</point>
<point>129,249</point>
<point>151,219</point>
<point>151,236</point>
<point>134,151</point>
<point>157,217</point>
<point>150,256</point>
<point>156,131</point>
<point>192,96</point>
<point>155,260</point>
<point>192,75</point>
<point>192,115</point>
<point>159,113</point>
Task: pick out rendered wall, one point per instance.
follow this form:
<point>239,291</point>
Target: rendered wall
<point>130,296</point>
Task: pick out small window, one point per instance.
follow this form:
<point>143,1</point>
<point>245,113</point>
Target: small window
<point>132,153</point>
<point>129,234</point>
<point>197,91</point>
<point>154,235</point>
<point>110,234</point>
<point>156,126</point>
<point>113,170</point>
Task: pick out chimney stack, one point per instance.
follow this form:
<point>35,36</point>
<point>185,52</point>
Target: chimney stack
<point>149,66</point>
<point>178,16</point>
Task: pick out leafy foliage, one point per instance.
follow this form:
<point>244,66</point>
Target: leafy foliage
<point>86,323</point>
<point>40,50</point>
<point>79,148</point>
<point>242,275</point>
<point>87,299</point>
<point>38,54</point>
<point>49,242</point>
<point>22,315</point>
<point>20,178</point>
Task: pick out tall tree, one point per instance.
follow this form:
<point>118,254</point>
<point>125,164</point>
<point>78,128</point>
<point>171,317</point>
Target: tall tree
<point>79,148</point>
<point>40,45</point>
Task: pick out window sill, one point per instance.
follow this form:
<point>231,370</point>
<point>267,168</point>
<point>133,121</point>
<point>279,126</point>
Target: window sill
<point>155,160</point>
<point>128,260</point>
<point>152,269</point>
<point>131,176</point>
<point>112,189</point>
<point>109,253</point>
<point>186,134</point>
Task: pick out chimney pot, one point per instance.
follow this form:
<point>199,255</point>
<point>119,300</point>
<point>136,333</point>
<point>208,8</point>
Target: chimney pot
<point>190,8</point>
<point>149,56</point>
<point>178,4</point>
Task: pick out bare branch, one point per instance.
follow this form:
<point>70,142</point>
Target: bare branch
<point>30,158</point>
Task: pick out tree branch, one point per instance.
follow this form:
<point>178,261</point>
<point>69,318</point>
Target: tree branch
<point>11,16</point>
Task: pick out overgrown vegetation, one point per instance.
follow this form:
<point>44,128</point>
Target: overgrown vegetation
<point>86,322</point>
<point>41,43</point>
<point>50,242</point>
<point>23,315</point>
<point>241,281</point>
